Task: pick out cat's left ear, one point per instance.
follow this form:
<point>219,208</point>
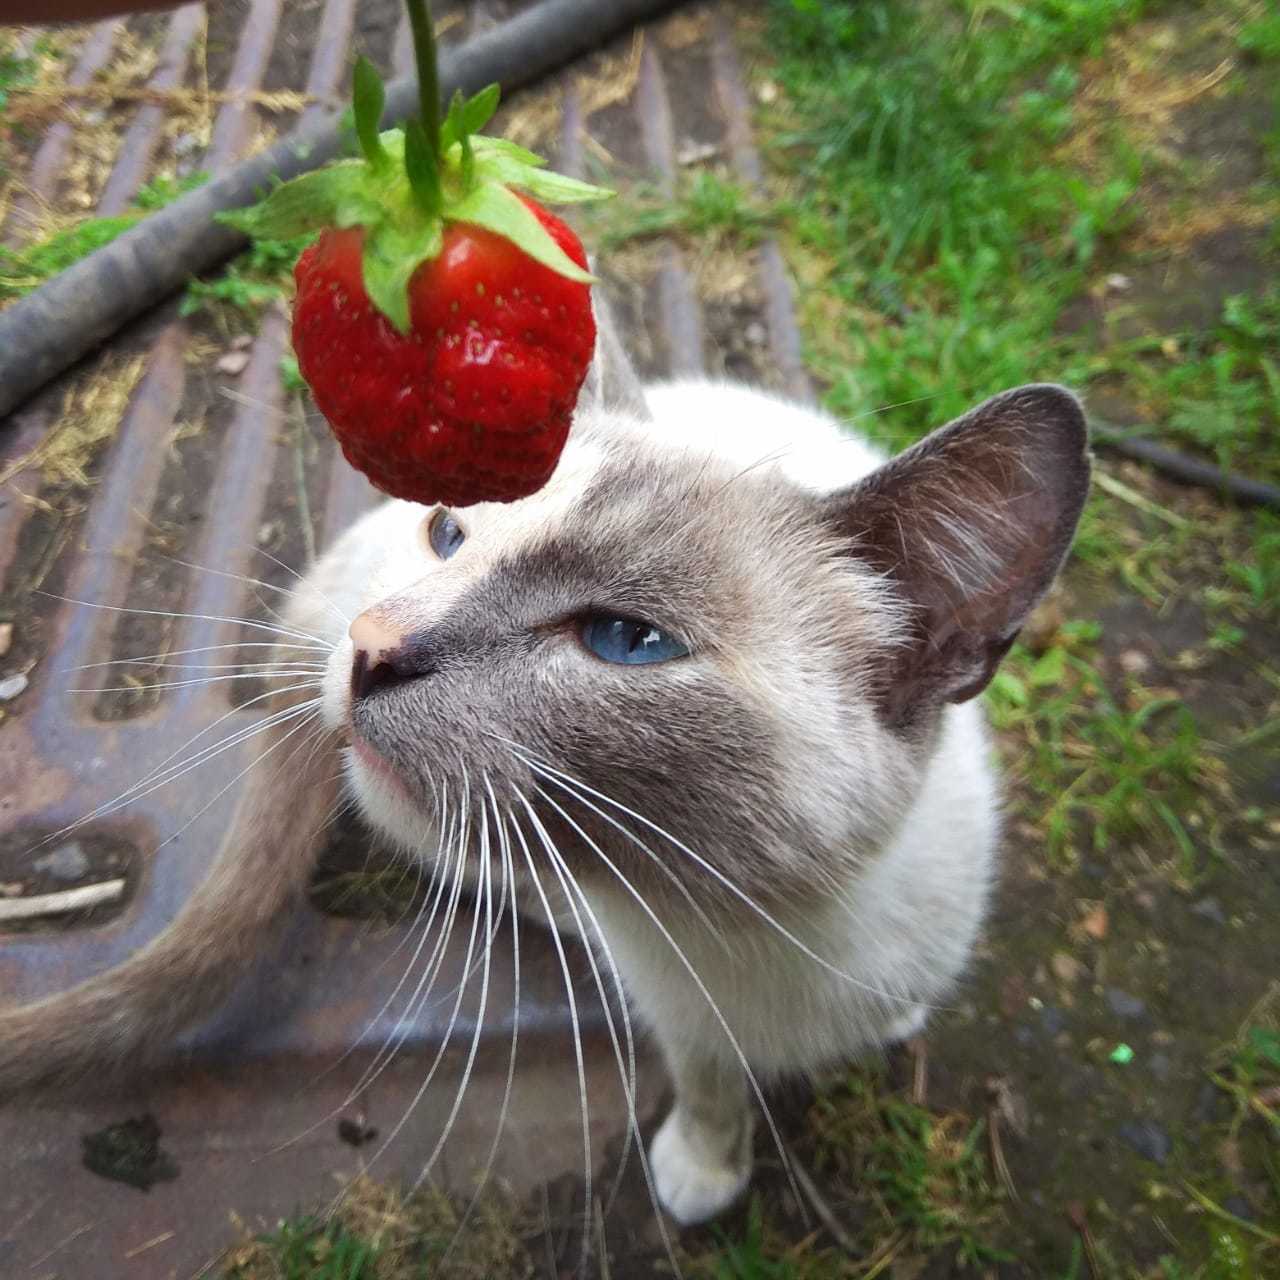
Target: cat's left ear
<point>970,526</point>
<point>612,385</point>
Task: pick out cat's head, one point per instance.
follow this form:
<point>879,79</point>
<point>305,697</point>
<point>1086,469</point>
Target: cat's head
<point>668,640</point>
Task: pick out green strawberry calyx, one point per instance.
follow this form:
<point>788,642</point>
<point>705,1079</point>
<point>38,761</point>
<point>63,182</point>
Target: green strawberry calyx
<point>405,190</point>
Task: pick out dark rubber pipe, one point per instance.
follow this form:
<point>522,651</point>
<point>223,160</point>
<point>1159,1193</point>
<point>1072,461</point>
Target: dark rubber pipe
<point>57,324</point>
<point>1186,469</point>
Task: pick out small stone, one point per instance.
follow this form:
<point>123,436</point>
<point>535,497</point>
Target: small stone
<point>1117,283</point>
<point>1066,968</point>
<point>756,334</point>
<point>1239,1207</point>
<point>767,92</point>
<point>67,862</point>
<point>11,687</point>
<point>696,152</point>
<point>1124,1005</point>
<point>1096,923</point>
<point>233,363</point>
<point>11,890</point>
<point>1052,1020</point>
<point>1210,909</point>
<point>1148,1139</point>
<point>1209,1107</point>
<point>1133,662</point>
<point>6,637</point>
<point>242,342</point>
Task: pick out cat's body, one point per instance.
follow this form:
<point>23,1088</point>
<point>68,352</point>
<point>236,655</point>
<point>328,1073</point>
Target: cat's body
<point>783,833</point>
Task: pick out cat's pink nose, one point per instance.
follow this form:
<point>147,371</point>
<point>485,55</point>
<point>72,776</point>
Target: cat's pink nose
<point>383,655</point>
<point>371,635</point>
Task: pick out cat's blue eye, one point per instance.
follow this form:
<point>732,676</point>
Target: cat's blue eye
<point>445,534</point>
<point>630,642</point>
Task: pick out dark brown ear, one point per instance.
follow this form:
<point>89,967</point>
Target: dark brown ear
<point>970,526</point>
<point>612,384</point>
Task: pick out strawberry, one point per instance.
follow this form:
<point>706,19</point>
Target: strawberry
<point>475,404</point>
<point>443,317</point>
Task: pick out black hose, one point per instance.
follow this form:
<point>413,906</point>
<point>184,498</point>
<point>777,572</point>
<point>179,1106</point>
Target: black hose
<point>1186,469</point>
<point>67,317</point>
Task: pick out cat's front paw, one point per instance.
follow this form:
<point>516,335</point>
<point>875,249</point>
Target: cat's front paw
<point>692,1185</point>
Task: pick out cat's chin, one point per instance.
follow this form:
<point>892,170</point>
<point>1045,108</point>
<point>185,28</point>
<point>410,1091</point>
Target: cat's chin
<point>385,798</point>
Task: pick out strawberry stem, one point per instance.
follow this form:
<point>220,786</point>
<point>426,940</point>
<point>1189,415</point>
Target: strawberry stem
<point>424,54</point>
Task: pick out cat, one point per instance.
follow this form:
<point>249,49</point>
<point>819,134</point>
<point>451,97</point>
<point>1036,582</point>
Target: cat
<point>708,699</point>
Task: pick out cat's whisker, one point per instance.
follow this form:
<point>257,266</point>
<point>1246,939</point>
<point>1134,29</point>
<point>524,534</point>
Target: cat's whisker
<point>485,892</point>
<point>565,782</point>
<point>160,658</point>
<point>452,879</point>
<point>577,1030</point>
<point>183,767</point>
<point>705,920</point>
<point>627,1073</point>
<point>109,807</point>
<point>302,724</point>
<point>689,968</point>
<point>305,583</point>
<point>290,632</point>
<point>508,880</point>
<point>448,1035</point>
<point>208,680</point>
<point>439,879</point>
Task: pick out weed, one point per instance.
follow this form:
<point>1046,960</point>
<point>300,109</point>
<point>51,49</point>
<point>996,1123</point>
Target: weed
<point>377,1233</point>
<point>707,207</point>
<point>26,269</point>
<point>1261,37</point>
<point>1101,766</point>
<point>1219,390</point>
<point>310,1249</point>
<point>925,1174</point>
<point>258,277</point>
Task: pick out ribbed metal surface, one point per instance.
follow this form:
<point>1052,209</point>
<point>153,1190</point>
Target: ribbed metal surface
<point>60,758</point>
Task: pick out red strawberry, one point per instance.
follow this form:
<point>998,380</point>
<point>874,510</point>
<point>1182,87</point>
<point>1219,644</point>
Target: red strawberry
<point>443,318</point>
<point>474,403</point>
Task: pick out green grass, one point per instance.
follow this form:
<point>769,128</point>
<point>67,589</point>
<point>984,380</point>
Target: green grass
<point>307,1248</point>
<point>708,207</point>
<point>1100,766</point>
<point>26,269</point>
<point>258,277</point>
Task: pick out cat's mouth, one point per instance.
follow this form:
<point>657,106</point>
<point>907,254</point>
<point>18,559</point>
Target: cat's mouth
<point>373,762</point>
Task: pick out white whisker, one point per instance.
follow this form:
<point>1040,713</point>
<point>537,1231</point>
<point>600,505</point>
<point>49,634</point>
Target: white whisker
<point>627,1073</point>
<point>486,896</point>
<point>577,1031</point>
<point>665,933</point>
<point>191,617</point>
<point>563,781</point>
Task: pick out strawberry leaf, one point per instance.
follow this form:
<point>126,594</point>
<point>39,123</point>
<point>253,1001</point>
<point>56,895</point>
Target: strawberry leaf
<point>499,210</point>
<point>468,116</point>
<point>497,164</point>
<point>391,256</point>
<point>336,196</point>
<point>512,149</point>
<point>369,98</point>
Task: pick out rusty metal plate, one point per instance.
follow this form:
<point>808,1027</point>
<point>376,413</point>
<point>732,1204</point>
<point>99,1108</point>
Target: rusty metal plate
<point>219,470</point>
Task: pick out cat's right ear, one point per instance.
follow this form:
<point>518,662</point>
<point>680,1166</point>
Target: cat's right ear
<point>612,385</point>
<point>969,528</point>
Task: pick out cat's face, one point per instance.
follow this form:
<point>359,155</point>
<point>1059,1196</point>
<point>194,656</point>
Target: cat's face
<point>660,636</point>
<point>697,670</point>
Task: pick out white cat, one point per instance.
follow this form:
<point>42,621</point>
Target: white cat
<point>707,697</point>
